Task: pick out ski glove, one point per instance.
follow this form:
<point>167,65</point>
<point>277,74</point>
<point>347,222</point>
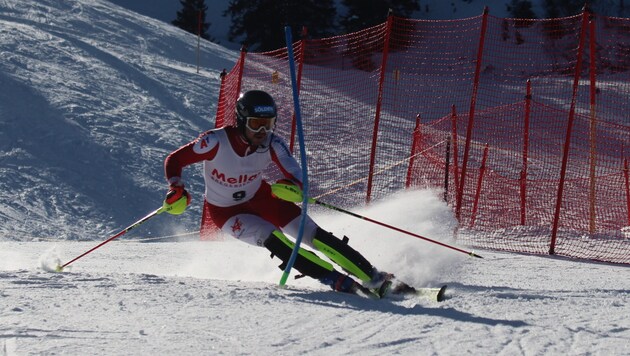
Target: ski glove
<point>177,199</point>
<point>286,189</point>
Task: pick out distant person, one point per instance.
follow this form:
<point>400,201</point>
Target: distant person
<point>240,202</point>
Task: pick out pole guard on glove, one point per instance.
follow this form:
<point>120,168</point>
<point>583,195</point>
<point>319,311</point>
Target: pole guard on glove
<point>287,190</point>
<point>177,199</point>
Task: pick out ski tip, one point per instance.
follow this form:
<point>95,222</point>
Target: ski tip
<point>376,293</point>
<point>441,296</point>
<point>360,290</point>
<point>384,289</point>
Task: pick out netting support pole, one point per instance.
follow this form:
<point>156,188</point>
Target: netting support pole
<point>198,37</point>
<point>593,129</point>
<point>415,143</point>
<point>471,112</point>
<point>482,171</point>
<point>455,152</point>
<point>220,119</point>
<point>379,103</point>
<point>567,143</point>
<point>241,69</point>
<point>447,167</point>
<point>528,109</point>
<point>220,103</point>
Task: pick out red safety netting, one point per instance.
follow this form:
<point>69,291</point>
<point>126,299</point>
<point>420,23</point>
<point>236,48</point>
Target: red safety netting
<point>522,123</point>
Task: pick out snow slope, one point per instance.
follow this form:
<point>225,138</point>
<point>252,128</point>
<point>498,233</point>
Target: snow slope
<point>93,97</point>
<point>93,100</point>
<point>192,298</point>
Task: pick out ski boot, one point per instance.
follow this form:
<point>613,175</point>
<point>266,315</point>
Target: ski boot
<point>380,284</point>
<point>340,282</point>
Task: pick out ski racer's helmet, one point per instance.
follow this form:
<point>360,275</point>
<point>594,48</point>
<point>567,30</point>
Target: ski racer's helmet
<point>253,105</point>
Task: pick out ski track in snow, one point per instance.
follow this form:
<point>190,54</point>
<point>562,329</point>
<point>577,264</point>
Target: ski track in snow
<point>140,298</point>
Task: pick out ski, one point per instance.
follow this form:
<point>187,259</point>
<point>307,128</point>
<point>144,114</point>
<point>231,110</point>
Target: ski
<point>437,294</point>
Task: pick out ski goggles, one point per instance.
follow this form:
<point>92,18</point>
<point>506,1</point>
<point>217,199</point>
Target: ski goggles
<point>257,124</point>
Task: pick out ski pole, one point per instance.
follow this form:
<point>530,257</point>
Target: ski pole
<point>60,268</point>
<point>293,194</point>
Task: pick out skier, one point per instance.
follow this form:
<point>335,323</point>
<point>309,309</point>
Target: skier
<point>240,202</point>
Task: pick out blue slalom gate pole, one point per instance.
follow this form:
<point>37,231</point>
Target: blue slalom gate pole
<point>298,120</point>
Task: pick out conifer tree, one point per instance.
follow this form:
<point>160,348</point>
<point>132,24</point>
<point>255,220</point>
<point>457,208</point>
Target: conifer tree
<point>260,23</point>
<point>362,14</point>
<point>188,18</point>
<point>563,8</point>
<point>521,9</point>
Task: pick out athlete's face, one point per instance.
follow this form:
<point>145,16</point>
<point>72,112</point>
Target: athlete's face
<point>257,129</point>
<point>255,138</point>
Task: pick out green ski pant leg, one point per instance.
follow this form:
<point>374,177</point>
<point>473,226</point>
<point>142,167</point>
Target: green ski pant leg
<point>343,255</point>
<point>306,262</point>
